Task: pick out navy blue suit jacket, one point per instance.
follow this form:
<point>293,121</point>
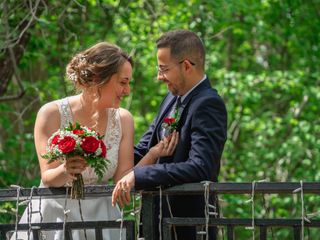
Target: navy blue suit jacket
<point>203,132</point>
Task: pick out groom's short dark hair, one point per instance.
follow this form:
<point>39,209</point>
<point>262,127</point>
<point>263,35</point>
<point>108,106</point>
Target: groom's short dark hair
<point>183,44</point>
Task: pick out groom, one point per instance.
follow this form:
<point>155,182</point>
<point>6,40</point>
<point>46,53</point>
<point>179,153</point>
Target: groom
<point>202,127</point>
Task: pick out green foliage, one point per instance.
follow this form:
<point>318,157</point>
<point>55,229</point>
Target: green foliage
<point>262,56</point>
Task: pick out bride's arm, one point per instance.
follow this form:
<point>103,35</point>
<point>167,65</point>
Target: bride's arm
<point>47,122</point>
<point>164,148</point>
<point>125,157</point>
<point>124,176</point>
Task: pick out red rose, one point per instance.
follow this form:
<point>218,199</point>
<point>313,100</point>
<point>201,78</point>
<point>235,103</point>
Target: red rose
<point>90,144</point>
<point>169,120</point>
<point>67,144</point>
<point>103,148</point>
<point>78,131</point>
<point>55,140</point>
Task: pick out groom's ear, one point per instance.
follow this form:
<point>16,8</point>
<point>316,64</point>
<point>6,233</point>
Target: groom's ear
<point>187,66</point>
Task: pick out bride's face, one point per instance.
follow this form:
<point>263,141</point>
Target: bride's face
<point>117,87</point>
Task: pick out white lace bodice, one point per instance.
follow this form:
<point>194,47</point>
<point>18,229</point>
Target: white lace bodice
<point>111,139</point>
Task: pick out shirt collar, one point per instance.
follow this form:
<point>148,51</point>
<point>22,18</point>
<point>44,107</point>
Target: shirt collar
<point>183,97</point>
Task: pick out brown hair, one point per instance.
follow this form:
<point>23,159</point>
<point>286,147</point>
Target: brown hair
<point>91,69</point>
<point>96,65</point>
<point>184,44</point>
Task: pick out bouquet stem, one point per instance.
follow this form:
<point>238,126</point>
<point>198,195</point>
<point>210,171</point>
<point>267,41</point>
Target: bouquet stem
<point>77,188</point>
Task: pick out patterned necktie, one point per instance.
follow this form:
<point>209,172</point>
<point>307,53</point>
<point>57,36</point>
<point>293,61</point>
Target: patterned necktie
<point>177,108</point>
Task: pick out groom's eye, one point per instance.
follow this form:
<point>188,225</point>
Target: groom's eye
<point>163,70</point>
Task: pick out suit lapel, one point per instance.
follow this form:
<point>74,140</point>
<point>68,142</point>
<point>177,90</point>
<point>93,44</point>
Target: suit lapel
<point>169,101</point>
<point>185,104</point>
<point>164,111</point>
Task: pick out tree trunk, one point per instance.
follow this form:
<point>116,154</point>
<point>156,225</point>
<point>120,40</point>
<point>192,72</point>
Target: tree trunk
<point>7,62</point>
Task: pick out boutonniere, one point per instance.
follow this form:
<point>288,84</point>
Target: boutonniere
<point>170,124</point>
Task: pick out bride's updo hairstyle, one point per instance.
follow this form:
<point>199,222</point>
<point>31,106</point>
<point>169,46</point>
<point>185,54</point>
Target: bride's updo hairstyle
<point>91,69</point>
<point>94,67</point>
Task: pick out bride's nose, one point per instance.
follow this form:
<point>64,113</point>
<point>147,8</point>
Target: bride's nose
<point>126,90</point>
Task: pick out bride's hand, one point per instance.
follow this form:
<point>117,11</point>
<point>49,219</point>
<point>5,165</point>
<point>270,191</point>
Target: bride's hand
<point>166,146</point>
<point>75,165</point>
<point>121,192</point>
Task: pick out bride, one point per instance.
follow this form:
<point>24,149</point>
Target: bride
<point>102,75</point>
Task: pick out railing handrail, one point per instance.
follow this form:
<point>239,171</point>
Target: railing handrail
<point>10,194</point>
<point>149,229</point>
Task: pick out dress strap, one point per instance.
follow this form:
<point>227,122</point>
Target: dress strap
<point>114,131</point>
<point>65,112</point>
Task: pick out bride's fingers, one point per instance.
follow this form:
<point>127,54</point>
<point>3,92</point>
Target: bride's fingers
<point>165,143</point>
<point>126,193</point>
<point>113,197</point>
<point>173,143</point>
<point>123,192</point>
<point>115,194</point>
<point>120,201</point>
<point>77,161</point>
<point>120,195</point>
<point>76,165</point>
<point>127,197</point>
<point>74,169</point>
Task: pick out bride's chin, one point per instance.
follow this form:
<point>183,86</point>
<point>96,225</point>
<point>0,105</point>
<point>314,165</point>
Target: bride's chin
<point>115,105</point>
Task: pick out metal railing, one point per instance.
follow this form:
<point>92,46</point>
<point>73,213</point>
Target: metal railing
<point>230,224</point>
<point>48,193</point>
<point>148,210</point>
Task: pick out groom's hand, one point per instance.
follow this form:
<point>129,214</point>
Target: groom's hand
<point>121,192</point>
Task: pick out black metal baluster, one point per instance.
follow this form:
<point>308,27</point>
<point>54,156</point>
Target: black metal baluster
<point>263,233</point>
<point>230,232</point>
<point>296,232</point>
<point>98,233</point>
<point>130,232</point>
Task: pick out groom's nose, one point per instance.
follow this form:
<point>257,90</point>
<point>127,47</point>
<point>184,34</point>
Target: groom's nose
<point>160,76</point>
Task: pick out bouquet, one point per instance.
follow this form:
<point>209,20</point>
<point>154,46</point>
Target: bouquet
<point>76,140</point>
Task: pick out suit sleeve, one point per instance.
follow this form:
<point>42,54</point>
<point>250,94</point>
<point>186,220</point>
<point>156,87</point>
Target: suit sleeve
<point>142,147</point>
<point>207,138</point>
<point>147,140</point>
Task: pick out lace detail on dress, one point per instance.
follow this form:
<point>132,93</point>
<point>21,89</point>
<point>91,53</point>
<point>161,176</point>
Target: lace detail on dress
<point>65,112</point>
<point>112,140</point>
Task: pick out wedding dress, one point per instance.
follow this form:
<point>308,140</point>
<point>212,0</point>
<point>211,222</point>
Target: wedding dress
<point>92,209</point>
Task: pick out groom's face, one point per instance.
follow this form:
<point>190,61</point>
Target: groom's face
<point>170,72</point>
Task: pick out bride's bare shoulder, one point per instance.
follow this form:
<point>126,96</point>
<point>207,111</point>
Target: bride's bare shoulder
<point>126,118</point>
<point>48,115</point>
<point>124,113</point>
<point>49,109</point>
